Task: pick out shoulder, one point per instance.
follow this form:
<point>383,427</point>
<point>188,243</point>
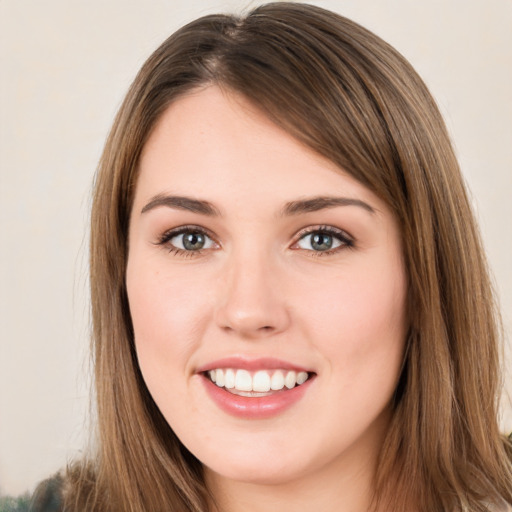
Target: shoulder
<point>48,496</point>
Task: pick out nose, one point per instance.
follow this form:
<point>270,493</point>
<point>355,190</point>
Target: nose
<point>251,302</point>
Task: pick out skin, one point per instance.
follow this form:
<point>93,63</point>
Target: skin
<point>259,289</point>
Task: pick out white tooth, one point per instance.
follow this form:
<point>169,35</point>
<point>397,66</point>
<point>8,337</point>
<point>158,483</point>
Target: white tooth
<point>219,378</point>
<point>261,381</point>
<point>229,379</point>
<point>290,380</point>
<point>302,377</point>
<point>243,380</point>
<point>211,373</point>
<point>277,381</point>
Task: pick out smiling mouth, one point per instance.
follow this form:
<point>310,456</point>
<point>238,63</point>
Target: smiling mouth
<point>256,384</point>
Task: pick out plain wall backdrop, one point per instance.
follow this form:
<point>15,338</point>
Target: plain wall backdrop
<point>64,68</point>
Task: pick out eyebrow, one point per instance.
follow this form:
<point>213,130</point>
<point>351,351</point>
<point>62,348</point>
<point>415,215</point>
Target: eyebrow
<point>315,204</point>
<point>182,203</point>
<point>291,208</point>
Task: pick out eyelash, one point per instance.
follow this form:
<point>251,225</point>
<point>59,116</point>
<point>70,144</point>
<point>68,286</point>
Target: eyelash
<point>169,235</point>
<point>347,242</point>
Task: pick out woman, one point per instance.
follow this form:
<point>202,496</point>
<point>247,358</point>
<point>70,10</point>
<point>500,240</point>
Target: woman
<point>291,305</point>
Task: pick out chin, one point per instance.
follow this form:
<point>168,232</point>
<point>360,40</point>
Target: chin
<point>265,464</point>
<point>258,474</point>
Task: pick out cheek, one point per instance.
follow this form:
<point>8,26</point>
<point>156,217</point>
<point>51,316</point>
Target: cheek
<point>360,328</point>
<point>167,313</point>
<point>358,319</point>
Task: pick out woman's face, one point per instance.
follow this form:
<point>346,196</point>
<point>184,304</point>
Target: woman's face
<point>258,263</point>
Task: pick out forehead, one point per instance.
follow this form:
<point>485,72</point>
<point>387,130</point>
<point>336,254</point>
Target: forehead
<point>218,145</point>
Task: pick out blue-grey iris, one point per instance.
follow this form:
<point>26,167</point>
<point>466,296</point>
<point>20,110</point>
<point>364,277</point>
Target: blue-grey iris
<point>193,241</point>
<point>321,242</point>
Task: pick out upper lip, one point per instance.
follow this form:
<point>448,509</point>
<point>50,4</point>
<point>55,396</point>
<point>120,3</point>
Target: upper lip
<point>261,363</point>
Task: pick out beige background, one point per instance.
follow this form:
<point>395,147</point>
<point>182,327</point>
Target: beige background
<point>65,65</point>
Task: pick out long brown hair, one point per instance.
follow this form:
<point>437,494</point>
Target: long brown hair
<point>352,98</point>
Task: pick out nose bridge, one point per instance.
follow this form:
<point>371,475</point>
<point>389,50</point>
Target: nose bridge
<point>250,302</point>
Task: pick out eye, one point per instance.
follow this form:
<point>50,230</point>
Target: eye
<point>191,241</point>
<point>324,240</point>
<point>187,239</point>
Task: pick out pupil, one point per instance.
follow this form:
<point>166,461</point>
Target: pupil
<point>321,242</point>
<point>193,241</point>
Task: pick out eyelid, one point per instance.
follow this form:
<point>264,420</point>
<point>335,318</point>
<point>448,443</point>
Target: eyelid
<point>165,238</point>
<point>346,239</point>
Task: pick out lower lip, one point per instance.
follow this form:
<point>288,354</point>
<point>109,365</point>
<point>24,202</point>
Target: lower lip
<point>255,407</point>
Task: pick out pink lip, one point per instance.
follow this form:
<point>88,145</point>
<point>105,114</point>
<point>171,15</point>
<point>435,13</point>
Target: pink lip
<point>262,363</point>
<point>255,408</point>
